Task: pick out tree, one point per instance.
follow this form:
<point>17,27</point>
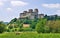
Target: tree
<point>10,26</point>
<point>2,27</point>
<point>13,20</point>
<point>40,25</point>
<point>33,24</point>
<point>54,26</point>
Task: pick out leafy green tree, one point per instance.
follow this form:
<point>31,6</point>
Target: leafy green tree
<point>40,26</point>
<point>46,29</point>
<point>2,27</point>
<point>33,24</point>
<point>10,27</point>
<point>27,21</point>
<point>13,20</point>
<point>54,26</point>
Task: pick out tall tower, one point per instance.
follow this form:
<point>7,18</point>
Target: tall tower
<point>31,16</point>
<point>24,11</point>
<point>30,10</point>
<point>36,10</point>
<point>36,13</point>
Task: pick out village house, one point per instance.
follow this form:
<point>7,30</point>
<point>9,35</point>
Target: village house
<point>26,25</point>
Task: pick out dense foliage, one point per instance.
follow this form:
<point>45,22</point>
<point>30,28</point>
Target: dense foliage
<point>40,27</point>
<point>30,35</point>
<point>48,24</point>
<point>2,27</point>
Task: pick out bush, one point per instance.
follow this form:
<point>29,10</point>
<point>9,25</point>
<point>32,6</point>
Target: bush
<point>8,30</point>
<point>20,29</point>
<point>27,29</point>
<point>10,27</point>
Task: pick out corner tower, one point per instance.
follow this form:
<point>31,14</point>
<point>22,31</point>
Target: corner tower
<point>36,13</point>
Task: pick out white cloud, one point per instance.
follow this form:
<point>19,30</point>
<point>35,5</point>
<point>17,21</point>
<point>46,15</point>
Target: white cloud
<point>51,5</point>
<point>18,3</point>
<point>57,12</point>
<point>6,0</point>
<point>9,9</point>
<point>3,0</point>
<point>1,3</point>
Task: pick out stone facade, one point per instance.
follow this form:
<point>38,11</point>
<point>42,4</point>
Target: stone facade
<point>31,14</point>
<point>40,15</point>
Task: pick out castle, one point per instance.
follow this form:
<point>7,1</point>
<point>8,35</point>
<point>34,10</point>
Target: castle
<point>31,14</point>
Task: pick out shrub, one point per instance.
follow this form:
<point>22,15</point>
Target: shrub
<point>27,29</point>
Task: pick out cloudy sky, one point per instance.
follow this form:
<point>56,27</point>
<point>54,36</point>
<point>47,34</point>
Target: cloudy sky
<point>10,9</point>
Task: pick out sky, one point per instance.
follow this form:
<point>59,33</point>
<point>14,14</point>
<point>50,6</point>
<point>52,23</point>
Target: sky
<point>10,9</point>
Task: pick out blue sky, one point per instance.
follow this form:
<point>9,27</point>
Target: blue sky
<point>10,9</point>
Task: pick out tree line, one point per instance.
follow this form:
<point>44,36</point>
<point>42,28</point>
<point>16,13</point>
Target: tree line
<point>41,25</point>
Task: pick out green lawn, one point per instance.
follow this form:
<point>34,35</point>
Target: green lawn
<point>30,35</point>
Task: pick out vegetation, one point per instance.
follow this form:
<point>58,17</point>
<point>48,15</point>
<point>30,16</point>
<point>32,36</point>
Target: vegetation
<point>40,27</point>
<point>2,27</point>
<point>43,27</point>
<point>30,35</point>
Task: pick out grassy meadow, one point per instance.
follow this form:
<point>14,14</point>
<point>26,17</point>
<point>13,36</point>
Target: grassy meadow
<point>30,35</point>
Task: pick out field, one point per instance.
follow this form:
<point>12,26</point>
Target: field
<point>30,35</point>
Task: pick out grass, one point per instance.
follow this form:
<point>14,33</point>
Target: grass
<point>30,35</point>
